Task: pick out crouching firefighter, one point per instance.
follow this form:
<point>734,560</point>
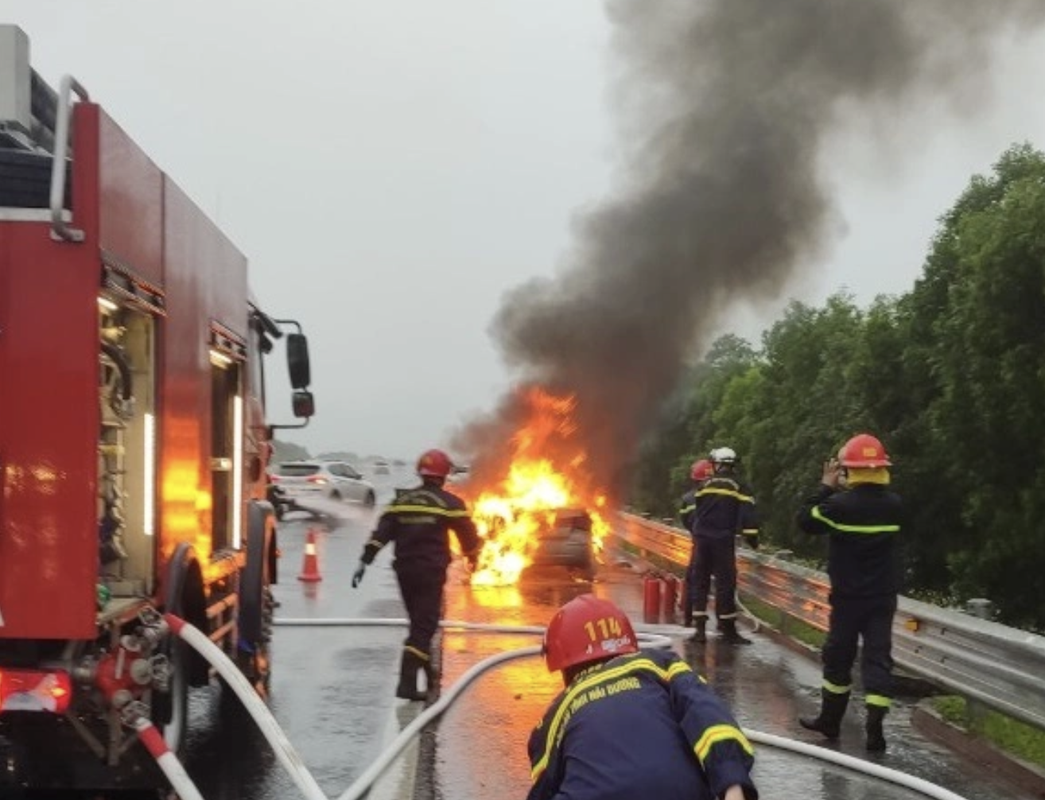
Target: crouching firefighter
<point>861,523</point>
<point>418,521</point>
<point>631,724</point>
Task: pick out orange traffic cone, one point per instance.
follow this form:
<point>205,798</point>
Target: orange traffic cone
<point>310,567</point>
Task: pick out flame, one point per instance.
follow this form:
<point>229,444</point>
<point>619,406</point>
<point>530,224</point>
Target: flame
<point>545,473</point>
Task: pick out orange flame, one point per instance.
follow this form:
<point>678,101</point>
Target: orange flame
<point>544,474</point>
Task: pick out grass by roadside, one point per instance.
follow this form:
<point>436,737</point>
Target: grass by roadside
<point>784,622</point>
<point>1012,736</point>
<point>1022,741</point>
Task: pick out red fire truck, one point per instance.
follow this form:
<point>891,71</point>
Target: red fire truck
<point>133,441</point>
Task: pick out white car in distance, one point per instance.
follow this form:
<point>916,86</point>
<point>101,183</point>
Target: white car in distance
<point>332,480</point>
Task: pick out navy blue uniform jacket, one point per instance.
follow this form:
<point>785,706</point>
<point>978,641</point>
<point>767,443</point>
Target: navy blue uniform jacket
<point>861,524</point>
<point>687,506</point>
<point>637,727</point>
<point>418,522</point>
<point>724,508</point>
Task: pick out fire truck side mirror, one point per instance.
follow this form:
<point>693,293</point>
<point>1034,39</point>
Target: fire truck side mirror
<point>304,404</point>
<point>298,364</point>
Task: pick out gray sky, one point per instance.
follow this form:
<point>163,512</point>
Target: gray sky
<point>392,168</point>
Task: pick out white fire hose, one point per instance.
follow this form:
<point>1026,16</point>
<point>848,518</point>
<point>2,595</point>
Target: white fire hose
<point>167,761</point>
<point>235,679</point>
<point>649,636</point>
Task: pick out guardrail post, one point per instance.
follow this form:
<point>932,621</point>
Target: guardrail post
<point>975,714</point>
<point>997,668</point>
<point>979,607</point>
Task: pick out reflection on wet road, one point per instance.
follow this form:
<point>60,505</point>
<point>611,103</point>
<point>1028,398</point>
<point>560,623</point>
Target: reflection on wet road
<point>332,691</point>
<point>766,686</point>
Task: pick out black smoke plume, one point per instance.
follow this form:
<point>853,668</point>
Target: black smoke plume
<point>726,107</point>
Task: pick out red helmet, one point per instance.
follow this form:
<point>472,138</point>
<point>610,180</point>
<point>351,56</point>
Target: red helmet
<point>587,629</point>
<point>434,464</point>
<point>701,470</point>
<point>864,451</point>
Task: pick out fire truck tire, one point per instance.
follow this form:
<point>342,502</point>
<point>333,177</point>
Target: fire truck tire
<point>185,598</point>
<point>255,602</point>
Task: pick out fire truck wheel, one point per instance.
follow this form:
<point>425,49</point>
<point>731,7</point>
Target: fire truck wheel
<point>256,601</point>
<point>184,597</point>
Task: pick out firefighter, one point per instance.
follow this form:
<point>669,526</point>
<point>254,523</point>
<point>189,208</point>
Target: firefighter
<point>631,724</point>
<point>724,508</point>
<point>698,473</point>
<point>418,521</point>
<point>862,523</point>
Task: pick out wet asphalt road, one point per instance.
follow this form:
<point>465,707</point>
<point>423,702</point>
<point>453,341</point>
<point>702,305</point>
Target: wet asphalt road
<point>332,691</point>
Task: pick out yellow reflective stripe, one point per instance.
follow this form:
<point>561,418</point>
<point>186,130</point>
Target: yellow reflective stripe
<point>678,668</point>
<point>687,509</point>
<point>743,498</point>
<point>839,526</point>
<point>419,653</point>
<point>583,685</point>
<point>750,531</point>
<point>442,512</point>
<point>375,544</point>
<point>835,688</point>
<point>877,700</point>
<point>720,733</point>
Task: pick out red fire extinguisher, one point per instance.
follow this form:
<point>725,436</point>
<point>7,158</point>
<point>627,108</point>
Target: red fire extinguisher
<point>671,593</point>
<point>651,587</point>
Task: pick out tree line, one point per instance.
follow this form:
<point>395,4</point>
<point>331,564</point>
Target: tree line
<point>950,375</point>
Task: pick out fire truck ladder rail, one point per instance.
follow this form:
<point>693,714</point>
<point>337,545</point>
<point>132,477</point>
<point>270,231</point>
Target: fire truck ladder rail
<point>60,229</point>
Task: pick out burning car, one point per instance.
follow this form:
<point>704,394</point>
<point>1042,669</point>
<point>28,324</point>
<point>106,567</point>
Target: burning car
<point>534,502</point>
<point>568,542</point>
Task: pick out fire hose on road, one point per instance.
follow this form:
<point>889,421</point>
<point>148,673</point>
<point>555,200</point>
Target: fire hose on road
<point>649,636</point>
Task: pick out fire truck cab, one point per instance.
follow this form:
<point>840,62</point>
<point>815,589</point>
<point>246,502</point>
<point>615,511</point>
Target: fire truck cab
<point>133,441</point>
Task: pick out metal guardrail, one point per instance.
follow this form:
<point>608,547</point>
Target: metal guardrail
<point>1000,667</point>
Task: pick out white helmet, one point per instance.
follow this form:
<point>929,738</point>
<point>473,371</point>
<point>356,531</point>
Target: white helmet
<point>723,455</point>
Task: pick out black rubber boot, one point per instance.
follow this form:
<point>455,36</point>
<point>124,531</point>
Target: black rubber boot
<point>409,666</point>
<point>832,710</point>
<point>687,614</point>
<point>873,728</point>
<point>730,635</point>
<point>699,634</point>
<point>432,679</point>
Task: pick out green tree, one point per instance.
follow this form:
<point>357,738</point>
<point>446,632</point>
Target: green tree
<point>987,422</point>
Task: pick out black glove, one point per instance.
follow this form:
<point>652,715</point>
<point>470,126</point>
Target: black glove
<point>357,576</point>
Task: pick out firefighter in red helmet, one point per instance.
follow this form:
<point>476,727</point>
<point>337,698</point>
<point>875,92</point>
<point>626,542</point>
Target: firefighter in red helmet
<point>862,524</point>
<point>631,723</point>
<point>698,473</point>
<point>725,507</point>
<point>419,521</point>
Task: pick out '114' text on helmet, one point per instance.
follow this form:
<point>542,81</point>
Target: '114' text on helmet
<point>587,629</point>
